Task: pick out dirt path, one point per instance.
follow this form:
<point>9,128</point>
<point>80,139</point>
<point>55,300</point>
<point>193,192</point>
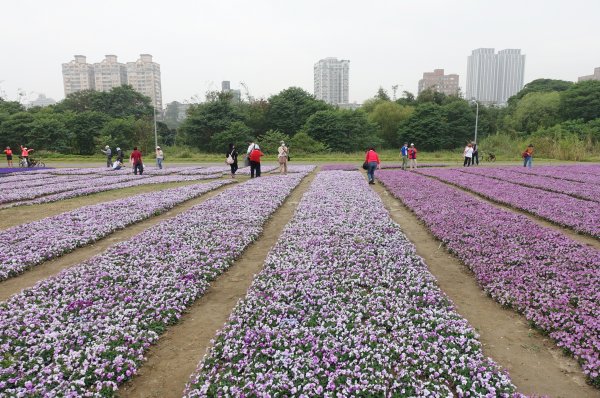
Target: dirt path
<point>579,237</point>
<point>171,362</point>
<point>23,214</point>
<point>50,268</point>
<point>535,364</point>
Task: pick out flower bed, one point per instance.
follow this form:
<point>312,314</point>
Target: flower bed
<point>344,307</point>
<point>129,182</point>
<point>85,331</point>
<point>580,215</point>
<point>570,173</point>
<point>550,278</point>
<point>264,168</point>
<point>27,245</point>
<point>571,188</point>
<point>419,165</point>
<point>341,167</point>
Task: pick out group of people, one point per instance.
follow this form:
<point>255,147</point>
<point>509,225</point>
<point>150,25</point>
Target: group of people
<point>409,155</point>
<point>24,156</point>
<point>252,159</point>
<point>135,159</point>
<point>471,154</point>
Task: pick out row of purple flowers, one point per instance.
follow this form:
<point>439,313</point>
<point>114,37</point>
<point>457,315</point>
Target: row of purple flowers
<point>85,331</point>
<point>550,278</point>
<point>344,307</point>
<point>28,245</point>
<point>580,215</point>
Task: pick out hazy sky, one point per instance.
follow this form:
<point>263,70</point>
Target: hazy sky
<point>273,44</point>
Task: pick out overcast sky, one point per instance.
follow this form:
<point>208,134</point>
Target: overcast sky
<point>273,44</point>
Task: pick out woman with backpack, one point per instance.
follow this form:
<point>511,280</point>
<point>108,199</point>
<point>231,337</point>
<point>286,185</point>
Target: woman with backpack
<point>231,158</point>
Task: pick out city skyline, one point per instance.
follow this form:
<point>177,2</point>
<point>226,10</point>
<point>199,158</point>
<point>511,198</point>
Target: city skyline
<point>272,45</point>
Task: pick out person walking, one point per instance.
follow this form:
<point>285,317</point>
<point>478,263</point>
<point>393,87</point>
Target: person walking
<point>25,154</point>
<point>231,158</point>
<point>251,147</point>
<point>404,153</point>
<point>108,154</point>
<point>528,156</point>
<point>255,162</point>
<point>475,155</point>
<point>372,160</point>
<point>468,154</point>
<point>9,154</point>
<point>159,157</point>
<point>282,157</point>
<point>412,156</point>
<point>136,159</point>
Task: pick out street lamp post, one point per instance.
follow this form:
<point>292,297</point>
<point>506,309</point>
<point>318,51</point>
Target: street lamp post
<point>476,118</point>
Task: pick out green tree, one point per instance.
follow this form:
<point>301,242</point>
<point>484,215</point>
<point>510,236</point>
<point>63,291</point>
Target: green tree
<point>207,119</point>
<point>536,110</point>
<point>431,95</point>
<point>254,115</point>
<point>581,101</point>
<point>48,131</point>
<point>117,133</point>
<point>540,86</point>
<point>236,133</point>
<point>459,124</point>
<point>382,95</point>
<point>388,116</point>
<point>270,141</point>
<point>86,127</point>
<point>343,130</point>
<point>119,102</point>
<point>303,143</point>
<point>15,128</point>
<point>407,98</point>
<point>291,108</point>
<point>425,128</point>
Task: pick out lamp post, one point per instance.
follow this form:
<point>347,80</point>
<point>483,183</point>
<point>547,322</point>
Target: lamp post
<point>155,131</point>
<point>476,117</point>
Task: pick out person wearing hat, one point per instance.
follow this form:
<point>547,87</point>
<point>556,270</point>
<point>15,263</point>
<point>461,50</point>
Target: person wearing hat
<point>159,157</point>
<point>25,154</point>
<point>282,157</point>
<point>404,153</point>
<point>108,154</point>
<point>412,156</point>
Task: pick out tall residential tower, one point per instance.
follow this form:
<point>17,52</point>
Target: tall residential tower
<point>494,78</point>
<point>109,73</point>
<point>438,81</point>
<point>78,75</point>
<point>332,80</point>
<point>144,76</point>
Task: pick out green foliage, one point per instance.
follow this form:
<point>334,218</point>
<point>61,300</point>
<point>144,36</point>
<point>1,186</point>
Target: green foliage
<point>207,119</point>
<point>290,109</point>
<point>119,102</point>
<point>254,115</point>
<point>382,95</point>
<point>581,101</point>
<point>116,133</point>
<point>86,127</point>
<point>425,128</point>
<point>536,110</point>
<point>540,86</point>
<point>270,141</point>
<point>236,133</point>
<point>343,130</point>
<point>388,116</point>
<point>303,143</point>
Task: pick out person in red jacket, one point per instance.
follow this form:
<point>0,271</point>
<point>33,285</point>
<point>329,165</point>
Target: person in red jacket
<point>412,156</point>
<point>372,160</point>
<point>254,157</point>
<point>9,154</point>
<point>136,159</point>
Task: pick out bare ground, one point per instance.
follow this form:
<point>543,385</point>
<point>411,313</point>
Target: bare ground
<point>177,354</point>
<point>47,269</point>
<point>535,364</point>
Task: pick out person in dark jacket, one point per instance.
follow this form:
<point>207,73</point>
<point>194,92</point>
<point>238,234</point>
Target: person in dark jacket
<point>120,154</point>
<point>233,153</point>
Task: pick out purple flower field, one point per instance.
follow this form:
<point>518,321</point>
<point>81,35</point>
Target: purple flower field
<point>344,307</point>
<point>85,331</point>
<point>341,167</point>
<point>571,188</point>
<point>27,245</point>
<point>571,173</point>
<point>550,278</point>
<point>580,215</point>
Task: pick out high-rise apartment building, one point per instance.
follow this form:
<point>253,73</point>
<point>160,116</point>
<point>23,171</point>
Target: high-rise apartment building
<point>494,78</point>
<point>595,76</point>
<point>144,76</point>
<point>331,78</point>
<point>438,81</point>
<point>109,73</point>
<point>78,75</point>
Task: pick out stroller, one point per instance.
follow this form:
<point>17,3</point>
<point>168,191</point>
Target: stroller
<point>490,157</point>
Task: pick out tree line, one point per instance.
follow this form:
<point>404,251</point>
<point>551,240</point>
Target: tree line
<point>546,111</point>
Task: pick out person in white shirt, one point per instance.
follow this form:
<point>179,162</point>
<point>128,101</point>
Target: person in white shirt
<point>468,155</point>
<point>282,157</point>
